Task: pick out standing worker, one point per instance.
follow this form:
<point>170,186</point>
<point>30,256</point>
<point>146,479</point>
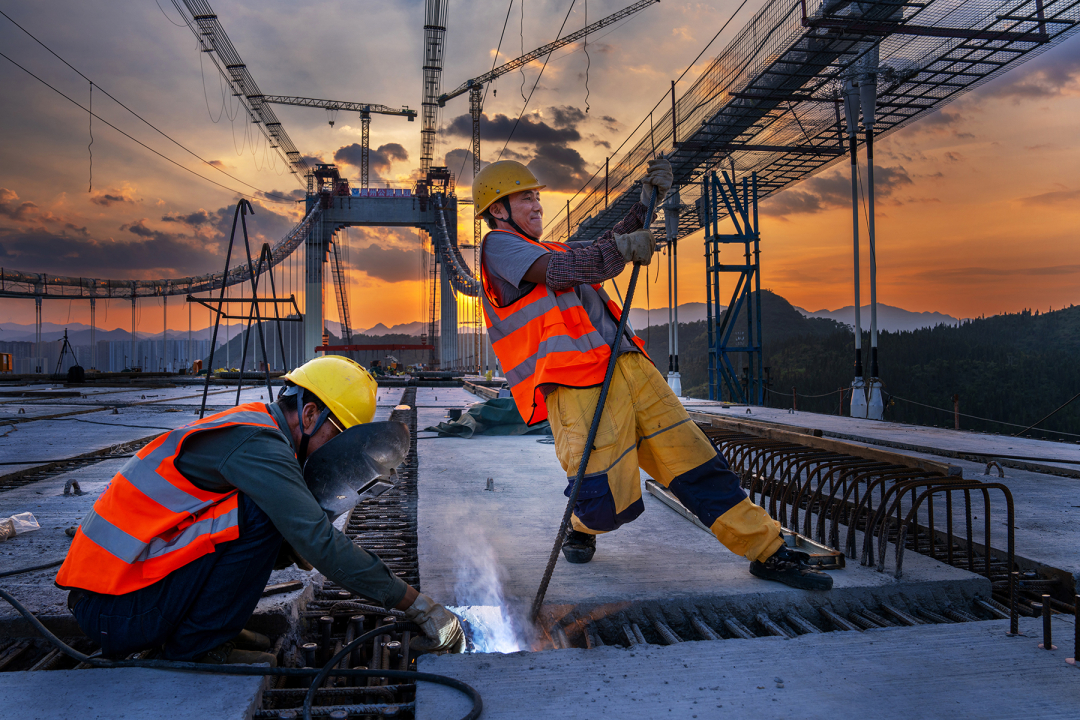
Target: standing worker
<point>176,552</point>
<point>552,327</point>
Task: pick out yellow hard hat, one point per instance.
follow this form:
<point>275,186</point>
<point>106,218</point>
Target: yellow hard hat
<point>498,180</point>
<point>342,384</point>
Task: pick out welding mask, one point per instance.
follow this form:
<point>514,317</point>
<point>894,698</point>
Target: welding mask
<point>356,465</point>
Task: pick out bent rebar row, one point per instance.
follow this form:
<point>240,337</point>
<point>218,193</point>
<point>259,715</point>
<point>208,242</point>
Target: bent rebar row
<point>884,502</point>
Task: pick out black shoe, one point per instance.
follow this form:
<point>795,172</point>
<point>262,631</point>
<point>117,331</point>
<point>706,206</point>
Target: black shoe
<point>790,567</point>
<point>579,547</point>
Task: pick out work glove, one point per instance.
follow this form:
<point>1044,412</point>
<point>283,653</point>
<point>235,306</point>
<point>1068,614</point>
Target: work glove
<point>658,176</point>
<point>441,628</point>
<point>637,246</point>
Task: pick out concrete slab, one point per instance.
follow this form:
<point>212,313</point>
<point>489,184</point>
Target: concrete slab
<point>970,670</point>
<point>467,532</point>
<point>130,693</point>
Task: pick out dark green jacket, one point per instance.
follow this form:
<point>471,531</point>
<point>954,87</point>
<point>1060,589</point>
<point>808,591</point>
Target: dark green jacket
<point>261,463</point>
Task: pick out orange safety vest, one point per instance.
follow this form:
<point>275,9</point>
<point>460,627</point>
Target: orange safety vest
<point>546,338</point>
<point>151,520</point>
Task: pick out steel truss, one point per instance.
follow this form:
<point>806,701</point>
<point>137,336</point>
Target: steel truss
<point>767,102</point>
<point>738,201</point>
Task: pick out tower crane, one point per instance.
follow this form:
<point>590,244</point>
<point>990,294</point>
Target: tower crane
<point>365,110</point>
<point>476,85</point>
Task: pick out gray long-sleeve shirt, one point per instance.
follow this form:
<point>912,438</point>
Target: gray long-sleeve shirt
<point>261,463</point>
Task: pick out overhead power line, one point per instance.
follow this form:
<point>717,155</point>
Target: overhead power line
<point>267,195</point>
<point>540,75</point>
<point>82,107</point>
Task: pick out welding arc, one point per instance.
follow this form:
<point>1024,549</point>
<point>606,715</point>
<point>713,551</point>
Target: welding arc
<point>328,670</point>
<point>593,428</point>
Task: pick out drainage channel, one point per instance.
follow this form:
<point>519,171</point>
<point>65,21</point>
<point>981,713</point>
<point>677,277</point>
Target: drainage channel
<point>386,526</point>
<point>672,623</point>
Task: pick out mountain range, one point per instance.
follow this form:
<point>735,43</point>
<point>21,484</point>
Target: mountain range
<point>889,318</point>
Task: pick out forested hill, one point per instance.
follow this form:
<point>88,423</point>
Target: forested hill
<point>1014,368</point>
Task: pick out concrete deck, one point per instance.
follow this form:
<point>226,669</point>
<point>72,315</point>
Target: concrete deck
<point>465,531</point>
<point>128,693</point>
<point>970,670</point>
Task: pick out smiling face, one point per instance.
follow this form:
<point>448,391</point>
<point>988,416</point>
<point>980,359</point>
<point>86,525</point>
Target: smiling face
<point>527,211</point>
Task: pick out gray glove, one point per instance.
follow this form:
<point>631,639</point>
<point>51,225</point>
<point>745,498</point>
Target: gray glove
<point>441,628</point>
<point>658,176</point>
<point>637,246</point>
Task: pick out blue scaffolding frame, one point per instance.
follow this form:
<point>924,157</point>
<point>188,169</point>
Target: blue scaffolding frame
<point>741,203</point>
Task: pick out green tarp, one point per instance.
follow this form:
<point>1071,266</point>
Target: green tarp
<point>493,417</point>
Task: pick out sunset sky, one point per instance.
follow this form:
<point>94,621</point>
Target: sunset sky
<point>980,216</point>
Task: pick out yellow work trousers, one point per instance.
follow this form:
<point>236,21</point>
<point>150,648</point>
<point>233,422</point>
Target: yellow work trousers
<point>644,425</point>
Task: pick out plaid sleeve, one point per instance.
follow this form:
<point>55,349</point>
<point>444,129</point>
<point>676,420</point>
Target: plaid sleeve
<point>597,262</point>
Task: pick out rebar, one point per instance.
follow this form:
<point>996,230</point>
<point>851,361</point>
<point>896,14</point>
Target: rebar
<point>1044,606</point>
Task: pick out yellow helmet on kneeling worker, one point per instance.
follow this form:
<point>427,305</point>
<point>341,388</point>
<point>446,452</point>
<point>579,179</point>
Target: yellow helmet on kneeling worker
<point>342,384</point>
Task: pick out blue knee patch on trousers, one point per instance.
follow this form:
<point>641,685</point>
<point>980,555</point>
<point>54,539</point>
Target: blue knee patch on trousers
<point>595,506</point>
<point>709,490</point>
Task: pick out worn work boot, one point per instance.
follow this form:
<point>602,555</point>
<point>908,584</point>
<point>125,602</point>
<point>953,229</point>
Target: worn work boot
<point>791,568</point>
<point>228,654</point>
<point>250,640</point>
<point>579,547</point>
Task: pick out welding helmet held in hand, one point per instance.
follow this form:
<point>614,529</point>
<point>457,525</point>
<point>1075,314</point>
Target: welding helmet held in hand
<point>342,384</point>
<point>499,180</point>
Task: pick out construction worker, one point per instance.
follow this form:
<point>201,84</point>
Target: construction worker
<point>552,325</point>
<point>177,550</point>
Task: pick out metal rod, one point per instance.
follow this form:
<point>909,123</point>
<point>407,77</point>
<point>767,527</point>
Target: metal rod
<point>1048,642</point>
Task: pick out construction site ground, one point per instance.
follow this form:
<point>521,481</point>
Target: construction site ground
<point>957,670</point>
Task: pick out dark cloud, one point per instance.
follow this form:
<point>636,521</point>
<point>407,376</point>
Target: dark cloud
<point>195,219</point>
<point>460,162</point>
<point>11,208</point>
<point>560,168</point>
<point>312,160</point>
<point>379,159</point>
<point>27,213</point>
<point>140,251</point>
<point>830,191</point>
<point>63,254</point>
<point>392,254</point>
<point>531,129</point>
<point>113,198</point>
<point>139,228</point>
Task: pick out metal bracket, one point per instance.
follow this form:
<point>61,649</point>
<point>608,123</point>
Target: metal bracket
<point>821,556</point>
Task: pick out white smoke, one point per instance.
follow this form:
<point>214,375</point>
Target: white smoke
<point>479,590</point>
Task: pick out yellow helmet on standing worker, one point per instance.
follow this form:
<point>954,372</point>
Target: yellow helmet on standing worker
<point>498,180</point>
<point>342,384</point>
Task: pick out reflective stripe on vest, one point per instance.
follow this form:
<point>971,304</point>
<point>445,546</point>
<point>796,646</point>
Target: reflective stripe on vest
<point>546,338</point>
<point>151,520</point>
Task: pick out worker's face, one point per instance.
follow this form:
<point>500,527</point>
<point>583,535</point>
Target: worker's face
<point>527,210</point>
<point>329,430</point>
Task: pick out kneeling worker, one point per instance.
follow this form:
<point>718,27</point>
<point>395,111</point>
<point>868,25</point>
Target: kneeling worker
<point>176,552</point>
<point>552,326</point>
